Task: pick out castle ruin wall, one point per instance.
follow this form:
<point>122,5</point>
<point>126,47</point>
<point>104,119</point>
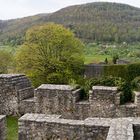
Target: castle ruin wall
<point>52,127</point>
<point>2,127</point>
<point>13,89</point>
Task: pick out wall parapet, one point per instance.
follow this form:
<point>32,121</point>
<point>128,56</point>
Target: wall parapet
<point>56,99</point>
<point>41,126</point>
<point>65,100</point>
<point>17,97</point>
<point>54,127</point>
<point>13,89</point>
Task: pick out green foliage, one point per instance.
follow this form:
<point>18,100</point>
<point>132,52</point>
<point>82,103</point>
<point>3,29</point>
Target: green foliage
<point>50,54</point>
<point>136,83</point>
<point>133,71</point>
<point>95,53</point>
<point>106,61</point>
<point>115,58</point>
<point>5,61</point>
<point>128,72</point>
<point>116,71</point>
<point>122,85</point>
<point>104,22</point>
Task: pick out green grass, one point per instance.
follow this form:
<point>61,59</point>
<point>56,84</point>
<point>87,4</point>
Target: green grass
<point>98,53</point>
<point>96,58</point>
<point>12,128</point>
<point>8,48</point>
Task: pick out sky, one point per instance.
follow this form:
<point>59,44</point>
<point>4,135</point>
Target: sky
<point>10,9</point>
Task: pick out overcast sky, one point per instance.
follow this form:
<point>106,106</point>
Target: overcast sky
<point>20,8</point>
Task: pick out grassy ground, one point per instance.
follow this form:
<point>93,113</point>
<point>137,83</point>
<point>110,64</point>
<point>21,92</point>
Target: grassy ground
<point>96,58</point>
<point>9,49</point>
<point>12,126</point>
<point>98,53</point>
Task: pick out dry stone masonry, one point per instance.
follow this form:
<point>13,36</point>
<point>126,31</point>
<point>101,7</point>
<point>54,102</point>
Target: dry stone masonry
<point>2,127</point>
<point>58,113</point>
<point>14,88</point>
<point>17,97</point>
<point>53,127</point>
<point>65,100</point>
<point>56,99</point>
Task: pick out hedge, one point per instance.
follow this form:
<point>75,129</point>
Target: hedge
<point>127,72</point>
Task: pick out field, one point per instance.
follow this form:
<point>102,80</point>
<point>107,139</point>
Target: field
<point>95,53</point>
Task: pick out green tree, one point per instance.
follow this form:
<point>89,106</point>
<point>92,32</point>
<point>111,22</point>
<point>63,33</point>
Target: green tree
<point>5,61</point>
<point>50,54</point>
<point>106,61</point>
<point>115,58</point>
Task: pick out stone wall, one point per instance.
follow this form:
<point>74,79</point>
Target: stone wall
<point>56,99</point>
<point>17,98</point>
<point>47,127</point>
<point>103,101</point>
<point>2,127</point>
<point>53,127</point>
<point>65,100</point>
<point>14,88</point>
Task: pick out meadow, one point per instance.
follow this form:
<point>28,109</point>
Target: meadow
<point>95,53</point>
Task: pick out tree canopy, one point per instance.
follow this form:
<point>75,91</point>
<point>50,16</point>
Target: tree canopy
<point>50,54</point>
<point>93,22</point>
<point>5,61</point>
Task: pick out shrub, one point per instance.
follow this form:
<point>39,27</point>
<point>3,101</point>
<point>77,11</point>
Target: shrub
<point>133,71</point>
<point>116,71</point>
<point>115,58</point>
<point>136,84</point>
<point>122,85</point>
<point>127,72</point>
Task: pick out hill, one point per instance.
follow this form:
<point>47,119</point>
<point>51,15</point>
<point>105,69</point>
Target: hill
<point>99,21</point>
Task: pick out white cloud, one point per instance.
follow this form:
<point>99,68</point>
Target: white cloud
<point>20,8</point>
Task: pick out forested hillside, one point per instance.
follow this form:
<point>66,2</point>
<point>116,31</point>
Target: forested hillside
<point>12,31</point>
<point>100,21</point>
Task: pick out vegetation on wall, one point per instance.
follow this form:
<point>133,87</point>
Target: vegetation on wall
<point>50,54</point>
<point>123,86</point>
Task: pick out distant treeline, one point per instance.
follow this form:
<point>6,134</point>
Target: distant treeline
<point>105,22</point>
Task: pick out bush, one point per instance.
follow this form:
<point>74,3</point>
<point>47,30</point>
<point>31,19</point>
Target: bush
<point>127,72</point>
<point>133,71</point>
<point>116,71</point>
<point>122,85</point>
<point>136,84</point>
<point>115,58</point>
